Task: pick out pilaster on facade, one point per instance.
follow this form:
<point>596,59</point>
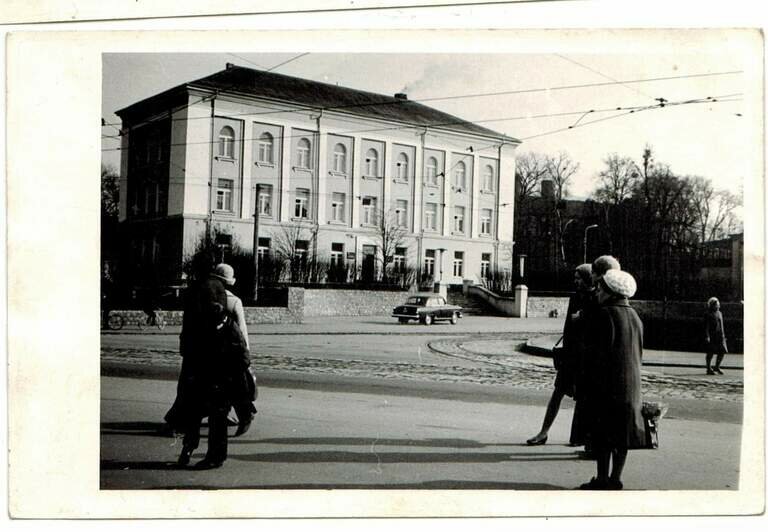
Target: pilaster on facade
<point>321,169</point>
<point>355,176</point>
<point>474,198</point>
<point>247,206</point>
<point>446,196</point>
<point>387,177</point>
<point>418,187</point>
<point>506,196</point>
<point>285,178</point>
<point>123,183</point>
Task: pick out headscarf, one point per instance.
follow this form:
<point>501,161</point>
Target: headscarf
<point>605,263</point>
<point>584,271</point>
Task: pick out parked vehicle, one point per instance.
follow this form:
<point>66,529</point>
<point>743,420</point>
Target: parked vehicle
<point>427,309</point>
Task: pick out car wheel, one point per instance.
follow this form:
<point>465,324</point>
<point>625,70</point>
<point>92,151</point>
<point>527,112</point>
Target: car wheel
<point>402,320</point>
<point>427,319</point>
<point>454,318</point>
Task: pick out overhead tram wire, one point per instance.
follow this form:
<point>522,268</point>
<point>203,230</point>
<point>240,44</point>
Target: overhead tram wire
<point>475,95</point>
<point>638,91</point>
<point>462,121</point>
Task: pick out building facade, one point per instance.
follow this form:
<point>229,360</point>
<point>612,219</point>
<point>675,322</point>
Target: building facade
<point>320,164</point>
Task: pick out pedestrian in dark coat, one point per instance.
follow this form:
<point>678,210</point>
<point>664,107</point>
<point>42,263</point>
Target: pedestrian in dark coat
<point>568,359</point>
<point>613,392</point>
<point>714,336</point>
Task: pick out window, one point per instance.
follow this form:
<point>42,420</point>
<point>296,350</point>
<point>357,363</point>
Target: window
<point>302,153</point>
<point>401,213</point>
<point>224,195</point>
<point>302,250</point>
<point>372,163</point>
<point>266,149</point>
<point>458,263</point>
<point>485,221</point>
<point>264,245</point>
<point>369,210</point>
<point>430,216</point>
<point>488,178</point>
<point>429,262</point>
<point>460,176</point>
<point>301,206</point>
<point>431,171</point>
<point>398,260</point>
<point>227,142</point>
<point>337,255</point>
<point>458,220</point>
<point>402,167</point>
<point>151,198</point>
<point>485,265</point>
<point>265,200</point>
<point>337,207</point>
<point>340,159</point>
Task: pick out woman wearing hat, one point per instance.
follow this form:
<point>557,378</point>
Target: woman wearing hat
<point>568,363</point>
<point>612,394</point>
<point>714,336</point>
<point>234,308</point>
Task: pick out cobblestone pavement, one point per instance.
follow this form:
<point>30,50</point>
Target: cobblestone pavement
<point>475,363</point>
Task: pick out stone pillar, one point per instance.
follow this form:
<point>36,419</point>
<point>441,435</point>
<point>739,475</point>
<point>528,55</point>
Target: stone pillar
<point>467,284</point>
<point>442,289</point>
<point>521,301</point>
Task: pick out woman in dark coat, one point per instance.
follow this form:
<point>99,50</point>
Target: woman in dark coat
<point>613,392</point>
<point>567,363</point>
<point>714,336</point>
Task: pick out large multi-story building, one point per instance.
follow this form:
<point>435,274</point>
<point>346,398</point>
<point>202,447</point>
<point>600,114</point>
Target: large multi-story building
<point>326,161</point>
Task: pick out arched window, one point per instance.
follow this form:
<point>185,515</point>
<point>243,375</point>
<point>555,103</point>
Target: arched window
<point>372,163</point>
<point>432,171</point>
<point>460,176</point>
<point>402,167</point>
<point>340,158</point>
<point>266,148</point>
<point>488,178</point>
<point>227,142</point>
<point>302,153</point>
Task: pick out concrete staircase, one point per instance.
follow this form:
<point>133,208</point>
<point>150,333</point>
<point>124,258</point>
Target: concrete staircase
<point>472,306</point>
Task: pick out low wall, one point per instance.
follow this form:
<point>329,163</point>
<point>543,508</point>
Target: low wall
<point>320,302</point>
<point>674,325</point>
<point>504,305</point>
<point>543,307</point>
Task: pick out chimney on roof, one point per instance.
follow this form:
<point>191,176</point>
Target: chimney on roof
<point>230,66</point>
<point>547,188</point>
<point>401,96</point>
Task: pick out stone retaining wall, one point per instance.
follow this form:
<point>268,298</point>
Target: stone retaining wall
<point>320,302</point>
<point>543,307</point>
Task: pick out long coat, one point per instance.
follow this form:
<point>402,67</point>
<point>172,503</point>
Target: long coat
<point>714,332</point>
<point>613,389</point>
<point>569,362</point>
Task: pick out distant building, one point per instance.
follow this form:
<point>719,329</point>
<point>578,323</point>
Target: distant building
<point>326,158</point>
<point>550,233</point>
<point>723,265</point>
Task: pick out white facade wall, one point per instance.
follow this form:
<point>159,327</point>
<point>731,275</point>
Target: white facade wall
<point>288,127</point>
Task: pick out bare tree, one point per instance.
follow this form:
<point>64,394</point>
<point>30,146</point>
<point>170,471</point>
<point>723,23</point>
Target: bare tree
<point>529,169</point>
<point>293,245</point>
<point>560,169</point>
<point>616,181</point>
<point>390,233</point>
<point>724,221</point>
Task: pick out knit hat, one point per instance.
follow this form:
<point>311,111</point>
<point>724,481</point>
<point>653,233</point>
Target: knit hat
<point>225,272</point>
<point>584,271</point>
<point>620,283</point>
<point>604,263</point>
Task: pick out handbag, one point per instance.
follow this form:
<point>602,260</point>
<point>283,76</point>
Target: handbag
<point>652,413</point>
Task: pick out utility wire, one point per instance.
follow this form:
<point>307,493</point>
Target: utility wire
<point>603,75</point>
<point>457,122</point>
<point>455,97</point>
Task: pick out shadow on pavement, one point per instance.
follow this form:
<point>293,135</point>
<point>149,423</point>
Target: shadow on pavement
<point>115,465</point>
<point>377,457</point>
<point>136,428</point>
<point>429,485</point>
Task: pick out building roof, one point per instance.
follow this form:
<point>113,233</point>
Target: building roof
<point>317,95</point>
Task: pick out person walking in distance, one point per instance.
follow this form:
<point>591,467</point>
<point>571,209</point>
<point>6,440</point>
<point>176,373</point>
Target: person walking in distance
<point>714,336</point>
<point>612,393</point>
<point>567,363</point>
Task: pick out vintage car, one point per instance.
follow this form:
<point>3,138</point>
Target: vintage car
<point>427,308</point>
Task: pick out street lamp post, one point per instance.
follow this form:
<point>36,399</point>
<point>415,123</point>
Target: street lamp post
<point>586,230</point>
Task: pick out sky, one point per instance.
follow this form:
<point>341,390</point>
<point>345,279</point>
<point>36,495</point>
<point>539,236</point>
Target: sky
<point>709,139</point>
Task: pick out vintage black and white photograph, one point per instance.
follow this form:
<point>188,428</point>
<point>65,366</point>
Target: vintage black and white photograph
<point>427,271</point>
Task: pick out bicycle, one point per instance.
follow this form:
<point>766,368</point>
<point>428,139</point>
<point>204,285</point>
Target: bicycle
<point>114,322</point>
<point>155,318</point>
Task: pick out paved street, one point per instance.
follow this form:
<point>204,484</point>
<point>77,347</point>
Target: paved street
<point>364,402</point>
